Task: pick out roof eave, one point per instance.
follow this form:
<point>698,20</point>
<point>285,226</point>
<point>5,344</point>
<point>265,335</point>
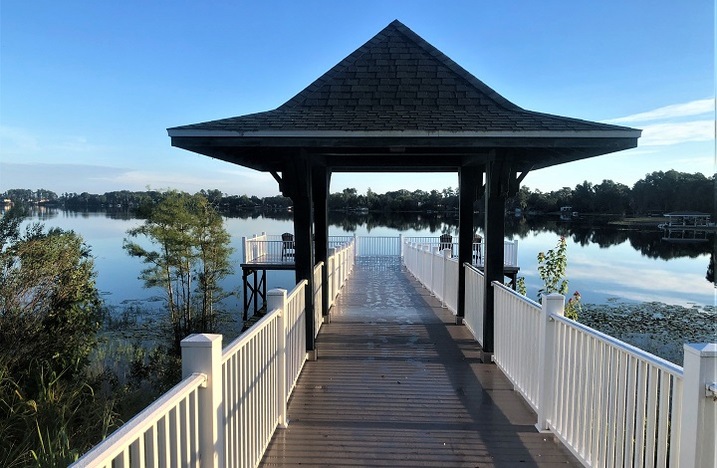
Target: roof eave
<point>360,134</point>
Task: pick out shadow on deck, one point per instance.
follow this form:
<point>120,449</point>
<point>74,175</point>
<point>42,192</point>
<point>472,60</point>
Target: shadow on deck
<point>397,383</point>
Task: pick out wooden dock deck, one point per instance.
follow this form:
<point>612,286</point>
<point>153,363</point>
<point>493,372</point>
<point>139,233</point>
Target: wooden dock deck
<point>397,383</point>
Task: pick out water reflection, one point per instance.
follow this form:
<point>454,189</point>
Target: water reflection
<point>609,260</point>
<point>646,240</point>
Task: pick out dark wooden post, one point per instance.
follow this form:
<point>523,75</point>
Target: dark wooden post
<point>321,178</point>
<point>469,179</point>
<point>498,176</point>
<point>297,179</point>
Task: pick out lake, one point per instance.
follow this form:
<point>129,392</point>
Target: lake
<point>606,264</point>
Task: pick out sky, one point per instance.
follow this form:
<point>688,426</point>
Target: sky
<point>88,89</point>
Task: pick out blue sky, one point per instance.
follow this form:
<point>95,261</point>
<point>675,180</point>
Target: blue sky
<point>87,89</point>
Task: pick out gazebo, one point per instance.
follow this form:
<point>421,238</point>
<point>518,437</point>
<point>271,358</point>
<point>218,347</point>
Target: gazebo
<point>397,104</point>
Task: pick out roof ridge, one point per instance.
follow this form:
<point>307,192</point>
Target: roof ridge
<point>455,67</point>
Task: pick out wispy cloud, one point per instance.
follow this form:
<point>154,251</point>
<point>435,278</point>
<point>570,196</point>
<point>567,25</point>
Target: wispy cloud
<point>674,111</point>
<point>675,124</point>
<point>662,134</point>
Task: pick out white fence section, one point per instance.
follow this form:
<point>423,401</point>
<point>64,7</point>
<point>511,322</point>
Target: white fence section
<point>616,405</point>
<point>516,338</point>
<point>225,411</point>
<point>378,246</point>
<point>475,302</point>
<point>510,249</point>
<point>435,270</point>
<point>340,265</point>
<point>164,434</point>
<point>610,403</point>
<point>318,298</point>
<point>264,247</point>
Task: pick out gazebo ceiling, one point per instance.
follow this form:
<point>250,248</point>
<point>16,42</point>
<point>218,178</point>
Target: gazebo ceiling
<point>398,104</point>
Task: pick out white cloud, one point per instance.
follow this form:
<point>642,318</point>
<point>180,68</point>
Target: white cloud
<point>687,109</point>
<point>662,134</point>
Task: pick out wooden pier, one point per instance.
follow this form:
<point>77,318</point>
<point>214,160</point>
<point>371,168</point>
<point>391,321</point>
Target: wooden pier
<point>398,383</point>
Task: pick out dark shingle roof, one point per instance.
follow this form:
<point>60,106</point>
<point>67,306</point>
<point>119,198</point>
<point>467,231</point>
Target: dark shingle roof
<point>397,82</point>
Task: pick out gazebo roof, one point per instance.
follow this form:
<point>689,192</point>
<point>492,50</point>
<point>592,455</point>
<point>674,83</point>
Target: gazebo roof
<point>398,103</point>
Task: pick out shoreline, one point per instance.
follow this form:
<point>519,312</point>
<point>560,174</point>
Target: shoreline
<point>658,328</point>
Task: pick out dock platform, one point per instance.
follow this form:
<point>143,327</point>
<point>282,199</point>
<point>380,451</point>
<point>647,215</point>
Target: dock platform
<point>398,383</point>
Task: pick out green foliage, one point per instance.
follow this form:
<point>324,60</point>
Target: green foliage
<point>51,420</point>
<point>552,268</point>
<point>190,258</point>
<point>49,305</point>
<point>49,316</point>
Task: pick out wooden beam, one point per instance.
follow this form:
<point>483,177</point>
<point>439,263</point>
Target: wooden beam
<point>499,181</point>
<point>297,182</point>
<point>469,180</point>
<point>321,178</point>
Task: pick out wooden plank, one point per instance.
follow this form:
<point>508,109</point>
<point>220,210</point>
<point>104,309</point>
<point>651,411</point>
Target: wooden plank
<point>398,383</point>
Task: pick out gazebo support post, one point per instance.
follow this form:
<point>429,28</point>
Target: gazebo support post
<point>498,182</point>
<point>469,179</point>
<point>297,179</point>
<point>321,179</point>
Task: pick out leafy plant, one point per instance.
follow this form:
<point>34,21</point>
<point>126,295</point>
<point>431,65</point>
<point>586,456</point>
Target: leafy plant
<point>552,268</point>
<point>190,259</point>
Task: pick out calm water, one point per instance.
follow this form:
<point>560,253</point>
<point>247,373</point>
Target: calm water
<point>604,264</point>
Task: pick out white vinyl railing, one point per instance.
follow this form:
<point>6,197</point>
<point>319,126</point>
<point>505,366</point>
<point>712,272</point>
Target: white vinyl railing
<point>225,411</point>
<point>378,246</point>
<point>270,248</point>
<point>516,339</point>
<point>164,434</point>
<point>435,270</point>
<point>262,246</point>
<point>318,298</point>
<point>340,265</point>
<point>609,403</point>
<point>475,302</point>
<point>510,249</point>
<point>616,405</point>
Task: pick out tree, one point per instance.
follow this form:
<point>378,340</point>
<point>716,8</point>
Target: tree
<point>192,257</point>
<point>611,197</point>
<point>49,316</point>
<point>49,305</point>
<point>552,267</point>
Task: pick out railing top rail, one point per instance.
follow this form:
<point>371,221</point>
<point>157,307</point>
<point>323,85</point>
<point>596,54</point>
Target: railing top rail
<point>247,336</point>
<point>301,284</point>
<point>135,427</point>
<point>516,294</point>
<point>473,267</point>
<point>634,351</point>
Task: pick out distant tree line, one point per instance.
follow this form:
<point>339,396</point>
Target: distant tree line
<point>658,192</point>
<point>125,199</point>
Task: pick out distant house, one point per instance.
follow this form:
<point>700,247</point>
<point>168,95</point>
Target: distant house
<point>690,219</point>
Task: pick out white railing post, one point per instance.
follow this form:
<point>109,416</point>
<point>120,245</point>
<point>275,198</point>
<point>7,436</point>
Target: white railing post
<point>202,353</point>
<point>446,256</point>
<point>699,408</point>
<point>552,304</point>
<point>514,259</point>
<point>276,299</point>
<point>400,244</point>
